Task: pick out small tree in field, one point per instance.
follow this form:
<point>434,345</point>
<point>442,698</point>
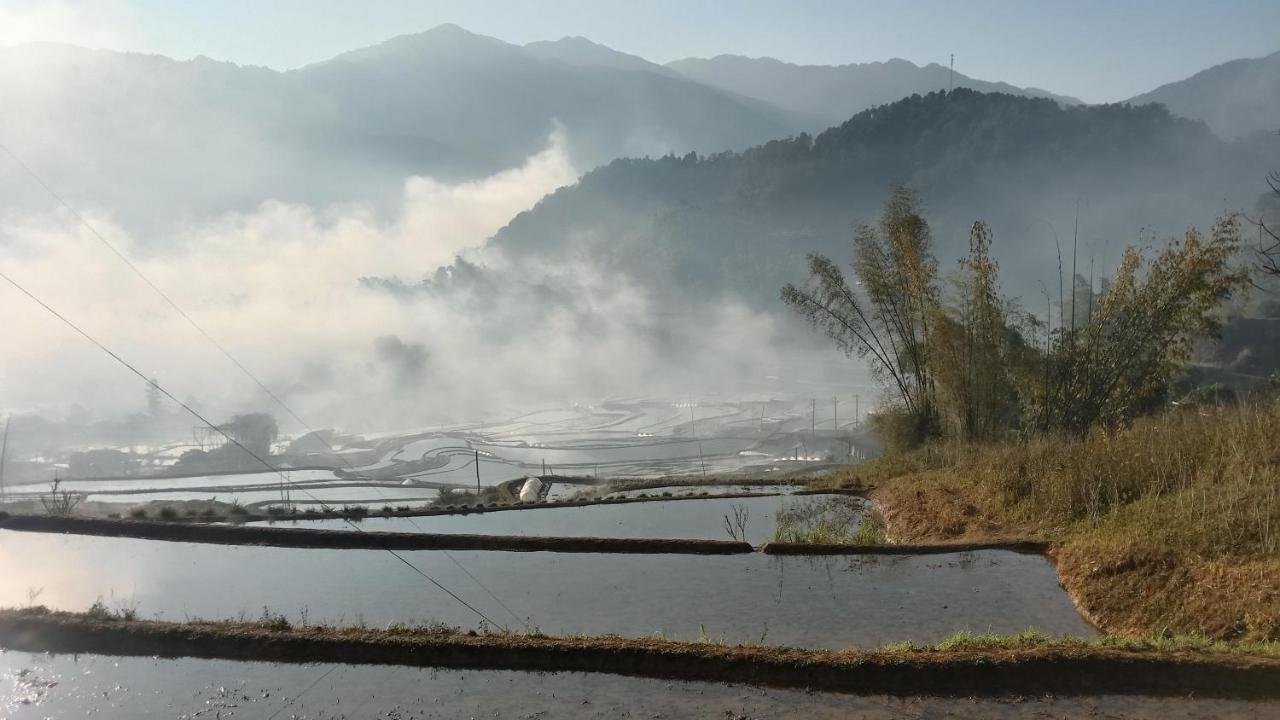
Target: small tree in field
<point>60,502</point>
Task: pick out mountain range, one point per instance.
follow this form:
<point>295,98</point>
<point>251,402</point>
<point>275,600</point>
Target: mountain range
<point>1235,98</point>
<point>154,141</point>
<point>833,93</point>
<point>1032,168</point>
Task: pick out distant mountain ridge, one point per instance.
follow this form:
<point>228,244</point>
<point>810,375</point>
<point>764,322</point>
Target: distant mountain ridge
<point>834,93</point>
<point>577,50</point>
<point>1234,99</point>
<point>485,95</point>
<point>164,134</point>
<point>156,141</point>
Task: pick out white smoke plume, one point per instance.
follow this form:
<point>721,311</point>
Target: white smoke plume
<point>280,288</point>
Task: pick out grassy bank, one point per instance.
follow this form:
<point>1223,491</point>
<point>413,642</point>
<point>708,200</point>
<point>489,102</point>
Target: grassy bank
<point>1172,525</point>
<point>828,521</point>
<point>970,665</point>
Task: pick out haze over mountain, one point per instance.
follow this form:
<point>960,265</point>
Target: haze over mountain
<point>833,93</point>
<point>154,139</point>
<point>395,160</point>
<point>582,52</point>
<point>742,223</point>
<point>1234,98</point>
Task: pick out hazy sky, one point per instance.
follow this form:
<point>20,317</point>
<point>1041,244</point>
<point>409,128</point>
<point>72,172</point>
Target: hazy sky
<point>1098,50</point>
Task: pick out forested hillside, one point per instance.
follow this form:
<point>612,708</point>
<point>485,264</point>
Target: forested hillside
<point>743,222</point>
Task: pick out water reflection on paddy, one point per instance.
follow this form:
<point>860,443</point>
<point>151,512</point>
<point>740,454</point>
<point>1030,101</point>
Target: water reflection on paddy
<point>829,602</point>
<point>702,518</point>
<point>40,686</point>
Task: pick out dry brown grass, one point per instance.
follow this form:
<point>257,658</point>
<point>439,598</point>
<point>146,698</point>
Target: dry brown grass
<point>941,505</point>
<point>1136,588</point>
<point>1173,524</point>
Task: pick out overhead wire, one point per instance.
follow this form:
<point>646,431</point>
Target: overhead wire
<point>243,369</point>
<point>224,433</point>
<point>288,703</point>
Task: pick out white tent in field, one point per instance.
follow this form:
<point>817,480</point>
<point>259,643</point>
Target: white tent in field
<point>531,491</point>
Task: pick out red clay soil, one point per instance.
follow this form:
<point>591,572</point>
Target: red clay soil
<point>1061,670</point>
<point>359,540</point>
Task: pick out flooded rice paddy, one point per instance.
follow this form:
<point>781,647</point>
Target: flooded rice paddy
<point>33,687</point>
<point>694,518</point>
<point>297,487</point>
<point>813,602</point>
<point>816,602</point>
<point>633,438</point>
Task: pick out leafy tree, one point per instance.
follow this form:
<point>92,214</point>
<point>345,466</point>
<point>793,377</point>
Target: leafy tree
<point>975,349</point>
<point>1270,248</point>
<point>254,431</point>
<point>964,368</point>
<point>1122,360</point>
<point>888,317</point>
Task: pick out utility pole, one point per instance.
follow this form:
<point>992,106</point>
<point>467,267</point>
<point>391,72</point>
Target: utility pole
<point>857,414</point>
<point>4,451</point>
<point>813,415</point>
<point>693,430</point>
<point>477,473</point>
<point>835,414</point>
<point>1075,242</point>
<point>286,481</point>
<point>953,74</point>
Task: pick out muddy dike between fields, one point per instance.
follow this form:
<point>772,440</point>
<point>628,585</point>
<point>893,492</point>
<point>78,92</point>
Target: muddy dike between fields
<point>1064,670</point>
<point>363,540</point>
<point>360,539</point>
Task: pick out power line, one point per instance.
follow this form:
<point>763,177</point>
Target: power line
<point>137,372</point>
<point>136,271</point>
<point>178,309</point>
<point>4,454</point>
<point>227,354</point>
<point>231,439</point>
<point>290,701</point>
